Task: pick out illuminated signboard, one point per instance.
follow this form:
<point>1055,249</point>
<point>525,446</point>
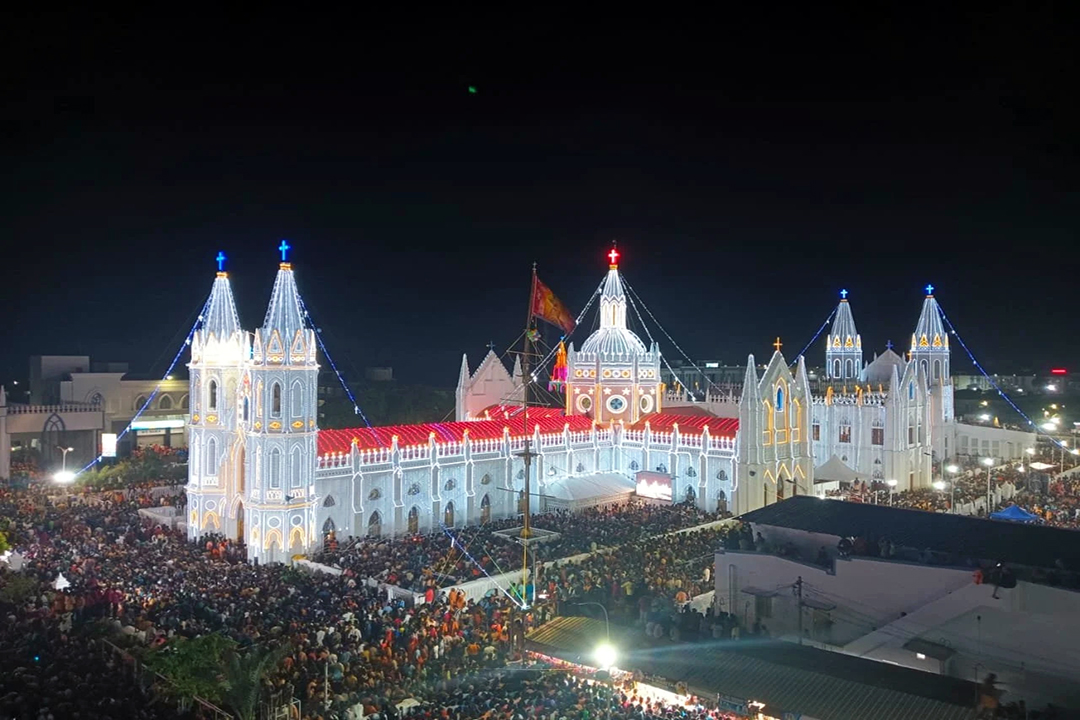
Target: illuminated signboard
<point>108,445</point>
<point>1057,371</point>
<point>654,485</point>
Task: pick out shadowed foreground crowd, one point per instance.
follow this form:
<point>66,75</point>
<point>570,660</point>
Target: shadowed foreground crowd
<point>347,645</point>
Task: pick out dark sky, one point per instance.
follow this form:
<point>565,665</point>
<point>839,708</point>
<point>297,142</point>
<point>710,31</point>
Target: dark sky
<point>749,167</point>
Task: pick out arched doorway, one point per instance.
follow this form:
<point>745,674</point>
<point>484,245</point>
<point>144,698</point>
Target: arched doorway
<point>448,515</point>
<point>240,522</point>
<point>414,520</point>
<point>485,510</point>
<point>328,528</point>
<point>374,525</point>
<point>721,502</point>
<point>691,496</point>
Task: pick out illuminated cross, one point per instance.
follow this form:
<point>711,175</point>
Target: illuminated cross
<point>220,261</point>
<point>491,346</point>
<point>888,344</point>
<point>284,248</point>
<point>843,294</point>
<point>929,289</point>
<point>614,255</point>
<point>777,344</point>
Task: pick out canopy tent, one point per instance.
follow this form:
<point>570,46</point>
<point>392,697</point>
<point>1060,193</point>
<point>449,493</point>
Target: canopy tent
<point>835,470</point>
<point>577,492</point>
<point>1015,513</point>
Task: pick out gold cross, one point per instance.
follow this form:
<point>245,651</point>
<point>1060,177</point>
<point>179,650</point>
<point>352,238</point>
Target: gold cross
<point>777,344</point>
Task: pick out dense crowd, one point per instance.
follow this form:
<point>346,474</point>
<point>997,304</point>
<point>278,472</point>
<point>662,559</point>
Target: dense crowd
<point>1054,499</point>
<point>420,562</point>
<point>347,645</point>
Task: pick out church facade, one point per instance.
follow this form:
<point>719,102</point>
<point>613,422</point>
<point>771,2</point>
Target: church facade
<point>261,470</point>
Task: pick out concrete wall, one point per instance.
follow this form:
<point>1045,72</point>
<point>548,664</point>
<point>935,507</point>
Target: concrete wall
<point>989,441</point>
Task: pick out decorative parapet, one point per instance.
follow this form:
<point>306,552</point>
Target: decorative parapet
<point>50,409</point>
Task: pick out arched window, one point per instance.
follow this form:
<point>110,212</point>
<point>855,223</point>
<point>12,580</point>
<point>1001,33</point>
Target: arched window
<point>274,469</point>
<point>836,368</point>
<point>414,520</point>
<point>296,478</point>
<point>211,458</point>
<point>297,400</point>
<point>165,402</point>
<point>230,394</point>
<point>328,527</point>
<point>275,400</point>
<point>485,510</point>
<point>911,391</point>
<point>779,399</point>
<point>139,402</point>
<point>212,405</point>
<point>374,525</point>
<point>185,402</point>
<point>448,515</point>
<point>329,501</point>
<point>97,399</point>
<point>246,408</point>
<point>937,369</point>
<point>849,368</point>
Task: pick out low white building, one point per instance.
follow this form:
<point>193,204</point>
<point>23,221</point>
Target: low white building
<point>902,610</point>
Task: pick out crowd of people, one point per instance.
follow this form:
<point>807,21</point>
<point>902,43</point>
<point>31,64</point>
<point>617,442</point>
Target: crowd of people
<point>420,562</point>
<point>347,644</point>
<point>1054,499</point>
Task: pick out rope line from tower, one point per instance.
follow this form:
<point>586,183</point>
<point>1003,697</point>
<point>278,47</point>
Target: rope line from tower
<point>813,339</point>
<point>577,324</point>
<point>334,367</point>
<point>157,388</point>
<point>1037,427</point>
<point>634,295</point>
<point>663,359</point>
<point>454,540</point>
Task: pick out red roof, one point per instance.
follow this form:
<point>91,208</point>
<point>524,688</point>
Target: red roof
<point>381,437</point>
<point>690,424</point>
<point>510,412</point>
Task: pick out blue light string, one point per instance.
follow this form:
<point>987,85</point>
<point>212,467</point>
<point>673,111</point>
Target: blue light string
<point>670,339</point>
<point>334,367</point>
<point>455,541</point>
<point>157,388</point>
<point>990,379</point>
<point>816,336</point>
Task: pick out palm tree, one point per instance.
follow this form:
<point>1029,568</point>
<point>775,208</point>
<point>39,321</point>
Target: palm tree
<point>244,675</point>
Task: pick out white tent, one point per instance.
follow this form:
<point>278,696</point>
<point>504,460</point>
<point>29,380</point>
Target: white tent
<point>829,476</point>
<point>577,492</point>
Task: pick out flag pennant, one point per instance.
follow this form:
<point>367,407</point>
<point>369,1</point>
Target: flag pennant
<point>549,308</point>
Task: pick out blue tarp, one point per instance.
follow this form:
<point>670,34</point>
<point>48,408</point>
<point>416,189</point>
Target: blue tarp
<point>1015,513</point>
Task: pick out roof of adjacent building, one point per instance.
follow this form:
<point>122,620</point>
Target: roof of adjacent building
<point>880,369</point>
<point>967,537</point>
<point>690,424</point>
<point>788,678</point>
<point>420,434</point>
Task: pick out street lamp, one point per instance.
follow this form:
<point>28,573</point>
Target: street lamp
<point>605,656</point>
<point>607,624</point>
<point>892,486</point>
<point>989,463</point>
<point>63,461</point>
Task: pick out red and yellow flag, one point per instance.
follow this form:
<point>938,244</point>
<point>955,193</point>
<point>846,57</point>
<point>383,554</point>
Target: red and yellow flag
<point>549,308</point>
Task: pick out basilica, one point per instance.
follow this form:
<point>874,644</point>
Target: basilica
<point>261,470</point>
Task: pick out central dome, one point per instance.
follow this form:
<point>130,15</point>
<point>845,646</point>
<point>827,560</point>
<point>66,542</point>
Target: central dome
<point>614,341</point>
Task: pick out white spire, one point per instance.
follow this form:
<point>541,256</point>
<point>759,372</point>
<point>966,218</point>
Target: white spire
<point>843,346</point>
<point>220,337</point>
<point>930,331</point>
<point>613,339</point>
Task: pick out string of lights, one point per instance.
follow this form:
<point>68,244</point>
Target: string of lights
<point>455,543</point>
<point>989,378</point>
<point>668,336</point>
<point>157,388</point>
<point>633,306</point>
<point>340,377</point>
<point>814,339</point>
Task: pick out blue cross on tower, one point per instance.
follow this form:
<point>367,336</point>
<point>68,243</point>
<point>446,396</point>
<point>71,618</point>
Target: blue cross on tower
<point>843,294</point>
<point>888,345</point>
<point>284,248</point>
<point>220,261</point>
<point>929,289</point>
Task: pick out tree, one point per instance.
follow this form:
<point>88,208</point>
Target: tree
<point>244,676</point>
<point>193,665</point>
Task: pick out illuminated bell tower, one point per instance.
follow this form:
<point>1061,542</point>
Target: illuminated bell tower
<point>614,376</point>
<point>218,355</point>
<point>281,431</point>
<point>843,346</point>
<point>930,351</point>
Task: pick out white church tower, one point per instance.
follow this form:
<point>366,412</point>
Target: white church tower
<point>843,349</point>
<point>279,502</point>
<point>930,351</point>
<point>614,376</point>
<point>218,355</point>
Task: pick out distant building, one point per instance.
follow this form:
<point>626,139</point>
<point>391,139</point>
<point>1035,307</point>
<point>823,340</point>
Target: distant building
<point>379,374</point>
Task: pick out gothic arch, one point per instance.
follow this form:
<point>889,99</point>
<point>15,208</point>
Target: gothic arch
<point>139,402</point>
<point>185,402</point>
<point>274,468</point>
<point>414,520</point>
<point>52,434</point>
<point>236,507</point>
<point>296,468</point>
<point>296,539</point>
<point>374,525</point>
<point>273,537</point>
<point>211,458</point>
<point>297,399</point>
<point>485,510</point>
<point>165,402</point>
<point>448,515</point>
<point>275,399</point>
<point>328,527</point>
<point>329,501</point>
<point>211,521</point>
<point>212,405</point>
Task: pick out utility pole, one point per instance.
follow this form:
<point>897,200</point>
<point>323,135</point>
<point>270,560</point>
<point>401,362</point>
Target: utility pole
<point>798,594</point>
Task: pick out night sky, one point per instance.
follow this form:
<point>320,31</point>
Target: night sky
<point>750,168</point>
